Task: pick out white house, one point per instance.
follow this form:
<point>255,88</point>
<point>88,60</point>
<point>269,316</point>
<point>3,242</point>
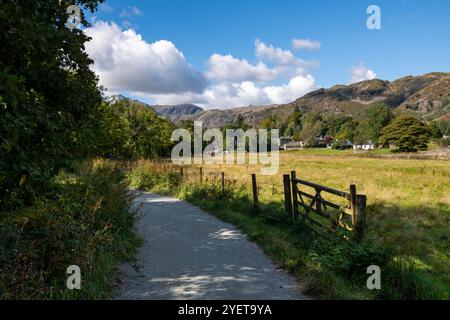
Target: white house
<point>366,146</point>
<point>294,145</point>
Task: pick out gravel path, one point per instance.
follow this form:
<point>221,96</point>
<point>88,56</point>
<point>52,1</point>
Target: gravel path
<point>189,254</point>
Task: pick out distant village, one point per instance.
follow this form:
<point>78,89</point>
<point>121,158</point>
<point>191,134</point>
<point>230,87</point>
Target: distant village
<point>288,143</point>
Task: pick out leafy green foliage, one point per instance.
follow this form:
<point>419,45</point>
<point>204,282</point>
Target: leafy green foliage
<point>84,221</point>
<point>351,259</point>
<point>294,124</point>
<point>378,117</point>
<point>407,133</point>
<point>312,127</point>
<point>47,92</point>
<point>124,130</point>
<point>438,129</point>
<point>144,177</point>
<point>238,123</point>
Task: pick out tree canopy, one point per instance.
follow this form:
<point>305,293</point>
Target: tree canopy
<point>47,91</point>
<point>407,133</point>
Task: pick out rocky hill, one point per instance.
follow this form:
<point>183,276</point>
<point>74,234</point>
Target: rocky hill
<point>177,112</point>
<point>427,96</point>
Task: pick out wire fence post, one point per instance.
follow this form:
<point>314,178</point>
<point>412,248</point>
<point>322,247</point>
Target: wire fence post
<point>223,181</point>
<point>287,195</point>
<point>294,194</point>
<point>255,194</point>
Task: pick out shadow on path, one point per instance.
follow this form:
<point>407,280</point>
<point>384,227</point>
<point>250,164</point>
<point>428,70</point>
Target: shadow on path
<point>189,254</point>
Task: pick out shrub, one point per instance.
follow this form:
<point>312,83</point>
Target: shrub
<point>351,259</point>
<point>86,222</point>
<point>48,91</point>
<point>145,176</point>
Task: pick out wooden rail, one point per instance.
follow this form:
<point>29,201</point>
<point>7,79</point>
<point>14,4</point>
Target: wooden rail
<point>313,207</point>
<point>324,213</point>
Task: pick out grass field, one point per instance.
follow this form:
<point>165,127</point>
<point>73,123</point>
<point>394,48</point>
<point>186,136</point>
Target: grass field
<point>408,202</point>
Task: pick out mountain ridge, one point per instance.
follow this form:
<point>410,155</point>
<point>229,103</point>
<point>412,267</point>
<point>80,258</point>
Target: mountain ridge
<point>426,96</point>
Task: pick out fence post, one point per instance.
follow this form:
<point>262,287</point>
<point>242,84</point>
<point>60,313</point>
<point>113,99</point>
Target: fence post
<point>360,228</point>
<point>318,201</point>
<point>287,195</point>
<point>181,173</point>
<point>255,193</point>
<point>359,203</point>
<point>201,174</point>
<point>294,194</point>
<point>353,201</point>
<point>223,182</point>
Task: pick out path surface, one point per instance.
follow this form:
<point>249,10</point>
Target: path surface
<point>189,254</point>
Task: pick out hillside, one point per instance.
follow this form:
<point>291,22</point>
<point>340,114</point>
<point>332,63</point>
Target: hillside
<point>427,96</point>
<point>177,112</point>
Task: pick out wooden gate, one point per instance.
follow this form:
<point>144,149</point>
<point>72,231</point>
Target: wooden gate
<point>314,206</point>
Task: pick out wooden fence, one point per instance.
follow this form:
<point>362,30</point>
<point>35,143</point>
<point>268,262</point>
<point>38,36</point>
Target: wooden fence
<point>203,177</point>
<point>324,213</point>
<point>308,201</point>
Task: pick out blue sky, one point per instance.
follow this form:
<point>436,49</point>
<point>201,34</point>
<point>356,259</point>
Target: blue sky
<point>414,39</point>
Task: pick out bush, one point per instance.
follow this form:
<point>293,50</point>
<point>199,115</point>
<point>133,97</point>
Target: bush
<point>145,176</point>
<point>351,259</point>
<point>86,222</point>
<point>444,142</point>
<point>48,91</point>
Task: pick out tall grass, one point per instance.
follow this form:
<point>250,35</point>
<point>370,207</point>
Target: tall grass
<point>85,221</point>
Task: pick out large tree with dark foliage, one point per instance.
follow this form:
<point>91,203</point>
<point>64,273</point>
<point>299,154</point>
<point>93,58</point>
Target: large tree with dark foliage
<point>407,133</point>
<point>126,130</point>
<point>46,93</point>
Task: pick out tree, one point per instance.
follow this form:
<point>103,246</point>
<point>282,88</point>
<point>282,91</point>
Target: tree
<point>126,130</point>
<point>48,92</point>
<point>439,129</point>
<point>337,123</point>
<point>378,117</point>
<point>294,124</point>
<point>347,131</point>
<point>312,127</point>
<point>407,133</point>
<point>362,133</point>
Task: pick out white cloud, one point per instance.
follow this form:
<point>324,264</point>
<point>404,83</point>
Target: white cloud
<point>158,71</point>
<point>276,55</point>
<point>231,95</point>
<point>127,63</point>
<point>283,64</point>
<point>228,68</point>
<point>131,11</point>
<point>361,73</point>
<point>103,7</point>
<point>305,44</point>
<point>237,82</point>
<point>297,87</point>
